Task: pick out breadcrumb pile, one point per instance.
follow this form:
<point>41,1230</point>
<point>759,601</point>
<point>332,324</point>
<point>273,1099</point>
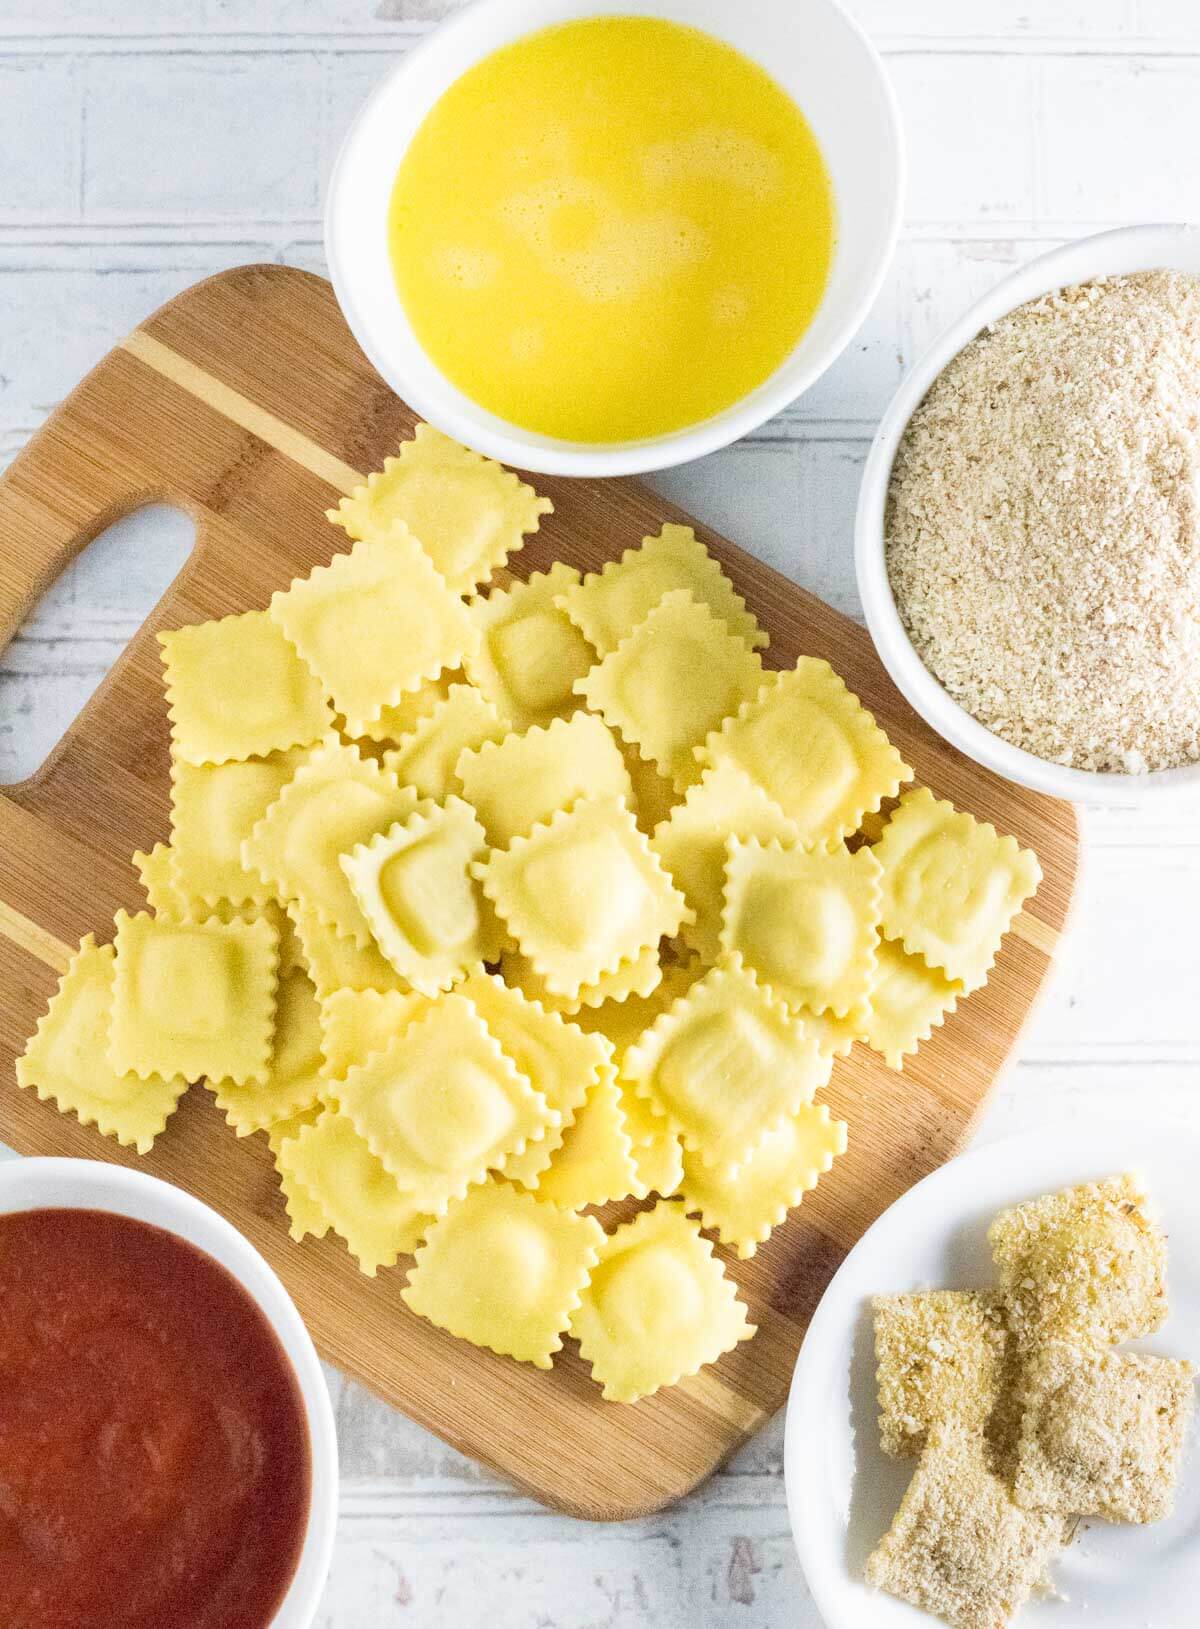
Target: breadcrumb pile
<point>1042,525</point>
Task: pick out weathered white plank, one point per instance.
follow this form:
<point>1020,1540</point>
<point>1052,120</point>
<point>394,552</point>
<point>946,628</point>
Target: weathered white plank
<point>39,179</point>
<point>202,136</point>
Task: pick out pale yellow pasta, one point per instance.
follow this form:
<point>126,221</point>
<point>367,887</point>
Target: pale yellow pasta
<point>908,1000</point>
<point>583,894</point>
<point>805,921</point>
<point>595,1161</point>
<point>657,1150</point>
<point>814,748</point>
<point>443,1105</point>
<point>632,981</point>
<point>951,885</point>
<point>836,1036</point>
<point>334,801</point>
<point>293,1081</point>
<point>671,681</point>
<point>375,623</point>
<point>156,873</point>
<point>66,1059</point>
<point>557,1059</point>
<point>282,1131</point>
<point>392,724</point>
<point>426,757</point>
<point>624,1022</point>
<point>654,796</point>
<point>469,513</point>
<point>609,604</point>
<point>331,1167</point>
<point>415,887</point>
<point>356,1024</point>
<point>214,808</point>
<point>502,1270</point>
<point>783,1167</point>
<point>530,653</point>
<point>237,689</point>
<point>691,843</point>
<point>658,1306</point>
<point>334,962</point>
<point>516,784</point>
<point>193,998</point>
<point>724,1065</point>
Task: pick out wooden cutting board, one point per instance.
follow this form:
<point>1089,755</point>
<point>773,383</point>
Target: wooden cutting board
<point>247,402</point>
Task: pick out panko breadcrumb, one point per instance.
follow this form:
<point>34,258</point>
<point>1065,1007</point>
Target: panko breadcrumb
<point>940,1356</point>
<point>1043,525</point>
<point>1103,1432</point>
<point>1085,1264</point>
<point>960,1546</point>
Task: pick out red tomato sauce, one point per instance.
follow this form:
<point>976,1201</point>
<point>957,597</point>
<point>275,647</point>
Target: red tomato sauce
<point>154,1455</point>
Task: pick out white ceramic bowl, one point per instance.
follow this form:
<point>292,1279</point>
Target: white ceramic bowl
<point>843,1491</point>
<point>811,48</point>
<point>1128,249</point>
<point>66,1184</point>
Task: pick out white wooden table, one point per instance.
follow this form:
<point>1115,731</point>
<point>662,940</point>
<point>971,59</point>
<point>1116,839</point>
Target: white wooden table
<point>146,143</point>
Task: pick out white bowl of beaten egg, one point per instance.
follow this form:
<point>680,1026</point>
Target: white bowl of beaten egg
<point>594,239</point>
<point>1113,706</point>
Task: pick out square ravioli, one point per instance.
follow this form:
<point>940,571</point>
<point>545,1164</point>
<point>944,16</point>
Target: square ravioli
<point>333,802</point>
<point>1103,1432</point>
<point>356,1024</point>
<point>658,1306</point>
<point>951,885</point>
<point>415,887</point>
<point>337,1177</point>
<point>469,513</point>
<point>237,689</point>
<point>804,921</point>
<point>745,1209</point>
<point>1085,1263</point>
<point>193,998</point>
<point>530,653</point>
<point>940,1358</point>
<point>671,681</point>
<point>556,1057</point>
<point>960,1547</point>
<point>908,1000</point>
<point>595,1163</point>
<point>516,784</point>
<point>66,1060</point>
<point>375,623</point>
<point>724,803</point>
<point>583,894</point>
<point>725,1065</point>
<point>502,1270</point>
<point>444,1105</point>
<point>610,603</point>
<point>293,1081</point>
<point>214,808</point>
<point>426,757</point>
<point>814,748</point>
<point>334,962</point>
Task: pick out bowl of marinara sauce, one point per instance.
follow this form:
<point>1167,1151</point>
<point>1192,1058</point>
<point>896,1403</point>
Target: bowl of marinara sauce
<point>167,1449</point>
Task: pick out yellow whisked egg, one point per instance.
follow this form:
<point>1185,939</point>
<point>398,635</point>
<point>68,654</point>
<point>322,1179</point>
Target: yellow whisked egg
<point>611,229</point>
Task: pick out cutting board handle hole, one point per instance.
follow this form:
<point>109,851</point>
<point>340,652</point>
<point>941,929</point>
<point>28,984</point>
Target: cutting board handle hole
<point>80,626</point>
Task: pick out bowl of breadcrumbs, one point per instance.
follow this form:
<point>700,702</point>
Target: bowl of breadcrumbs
<point>1028,530</point>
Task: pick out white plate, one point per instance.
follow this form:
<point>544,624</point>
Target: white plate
<point>843,1491</point>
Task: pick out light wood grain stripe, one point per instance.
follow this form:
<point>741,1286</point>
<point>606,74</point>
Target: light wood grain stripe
<point>1035,932</point>
<point>33,939</point>
<point>729,1405</point>
<point>242,411</point>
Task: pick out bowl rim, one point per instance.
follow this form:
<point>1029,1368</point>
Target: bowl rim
<point>1109,253</point>
<point>55,1183</point>
<point>510,443</point>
